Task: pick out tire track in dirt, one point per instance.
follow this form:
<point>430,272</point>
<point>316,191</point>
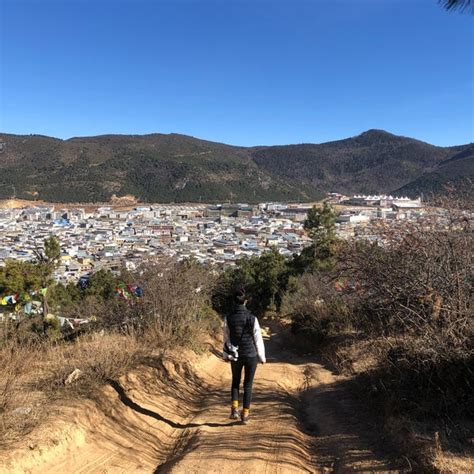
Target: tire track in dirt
<point>284,436</point>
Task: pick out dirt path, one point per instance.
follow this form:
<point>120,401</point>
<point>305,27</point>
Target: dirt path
<point>301,421</point>
<point>175,419</point>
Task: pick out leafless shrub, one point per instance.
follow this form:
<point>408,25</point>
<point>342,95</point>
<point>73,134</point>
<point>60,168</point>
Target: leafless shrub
<point>417,280</point>
<point>415,295</point>
<point>459,198</point>
<point>176,303</point>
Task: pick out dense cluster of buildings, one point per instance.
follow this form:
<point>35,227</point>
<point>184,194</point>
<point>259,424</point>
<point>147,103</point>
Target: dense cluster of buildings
<point>360,214</point>
<point>110,237</point>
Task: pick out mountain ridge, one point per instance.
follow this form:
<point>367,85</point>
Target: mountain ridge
<point>368,132</point>
<point>177,168</point>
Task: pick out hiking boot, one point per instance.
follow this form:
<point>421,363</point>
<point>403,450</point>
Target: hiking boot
<point>234,414</point>
<point>244,418</point>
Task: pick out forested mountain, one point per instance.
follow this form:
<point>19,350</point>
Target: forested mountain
<point>178,168</point>
<point>453,175</point>
<point>160,168</point>
<point>373,162</point>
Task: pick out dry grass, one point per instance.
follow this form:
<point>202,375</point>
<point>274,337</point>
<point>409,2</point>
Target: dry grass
<point>34,369</point>
<point>21,407</point>
<point>33,377</point>
<point>99,357</point>
<point>449,463</point>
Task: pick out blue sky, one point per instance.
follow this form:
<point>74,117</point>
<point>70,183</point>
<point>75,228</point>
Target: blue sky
<point>240,72</point>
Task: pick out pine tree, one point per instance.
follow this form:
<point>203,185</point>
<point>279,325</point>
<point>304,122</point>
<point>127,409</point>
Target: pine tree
<point>47,262</point>
<point>321,227</point>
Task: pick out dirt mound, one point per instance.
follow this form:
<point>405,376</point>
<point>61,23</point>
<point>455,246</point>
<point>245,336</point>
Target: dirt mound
<point>18,203</point>
<point>127,200</point>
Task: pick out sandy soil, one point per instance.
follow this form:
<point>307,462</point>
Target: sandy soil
<point>117,203</point>
<point>173,417</point>
<point>18,203</point>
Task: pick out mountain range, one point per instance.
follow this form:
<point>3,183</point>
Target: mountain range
<point>179,168</point>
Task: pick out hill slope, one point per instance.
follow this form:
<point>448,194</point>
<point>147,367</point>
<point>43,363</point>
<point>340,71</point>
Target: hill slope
<point>456,174</point>
<point>373,162</point>
<point>160,168</point>
<point>178,168</point>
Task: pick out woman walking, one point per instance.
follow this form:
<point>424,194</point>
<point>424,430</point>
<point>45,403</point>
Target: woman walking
<point>243,346</point>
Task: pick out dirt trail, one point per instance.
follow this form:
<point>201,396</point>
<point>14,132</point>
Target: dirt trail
<point>174,418</point>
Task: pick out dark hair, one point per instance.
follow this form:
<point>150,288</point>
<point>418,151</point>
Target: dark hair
<point>239,296</point>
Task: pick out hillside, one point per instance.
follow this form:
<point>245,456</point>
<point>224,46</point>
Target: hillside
<point>178,168</point>
<point>373,162</point>
<point>454,174</point>
<point>160,168</point>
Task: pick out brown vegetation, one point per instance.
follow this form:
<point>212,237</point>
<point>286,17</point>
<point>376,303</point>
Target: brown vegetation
<point>36,371</point>
<point>316,308</point>
<point>416,296</point>
<point>33,376</point>
<point>397,314</point>
<point>20,406</point>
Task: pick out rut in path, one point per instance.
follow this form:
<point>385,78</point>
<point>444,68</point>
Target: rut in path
<point>302,421</point>
<point>175,419</point>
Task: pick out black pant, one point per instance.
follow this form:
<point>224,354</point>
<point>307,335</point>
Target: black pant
<point>250,366</point>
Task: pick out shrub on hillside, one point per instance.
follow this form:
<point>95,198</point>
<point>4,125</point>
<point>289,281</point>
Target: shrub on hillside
<point>417,281</point>
<point>416,297</point>
<point>316,309</point>
<point>176,304</point>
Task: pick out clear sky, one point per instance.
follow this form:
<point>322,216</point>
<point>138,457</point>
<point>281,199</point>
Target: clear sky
<point>241,72</point>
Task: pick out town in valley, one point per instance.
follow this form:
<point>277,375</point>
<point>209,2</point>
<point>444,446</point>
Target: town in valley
<point>112,237</point>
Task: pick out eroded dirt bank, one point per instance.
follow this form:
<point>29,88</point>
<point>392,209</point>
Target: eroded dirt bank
<point>173,417</point>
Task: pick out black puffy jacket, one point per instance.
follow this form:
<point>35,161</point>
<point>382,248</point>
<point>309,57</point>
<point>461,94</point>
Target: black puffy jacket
<point>241,324</point>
